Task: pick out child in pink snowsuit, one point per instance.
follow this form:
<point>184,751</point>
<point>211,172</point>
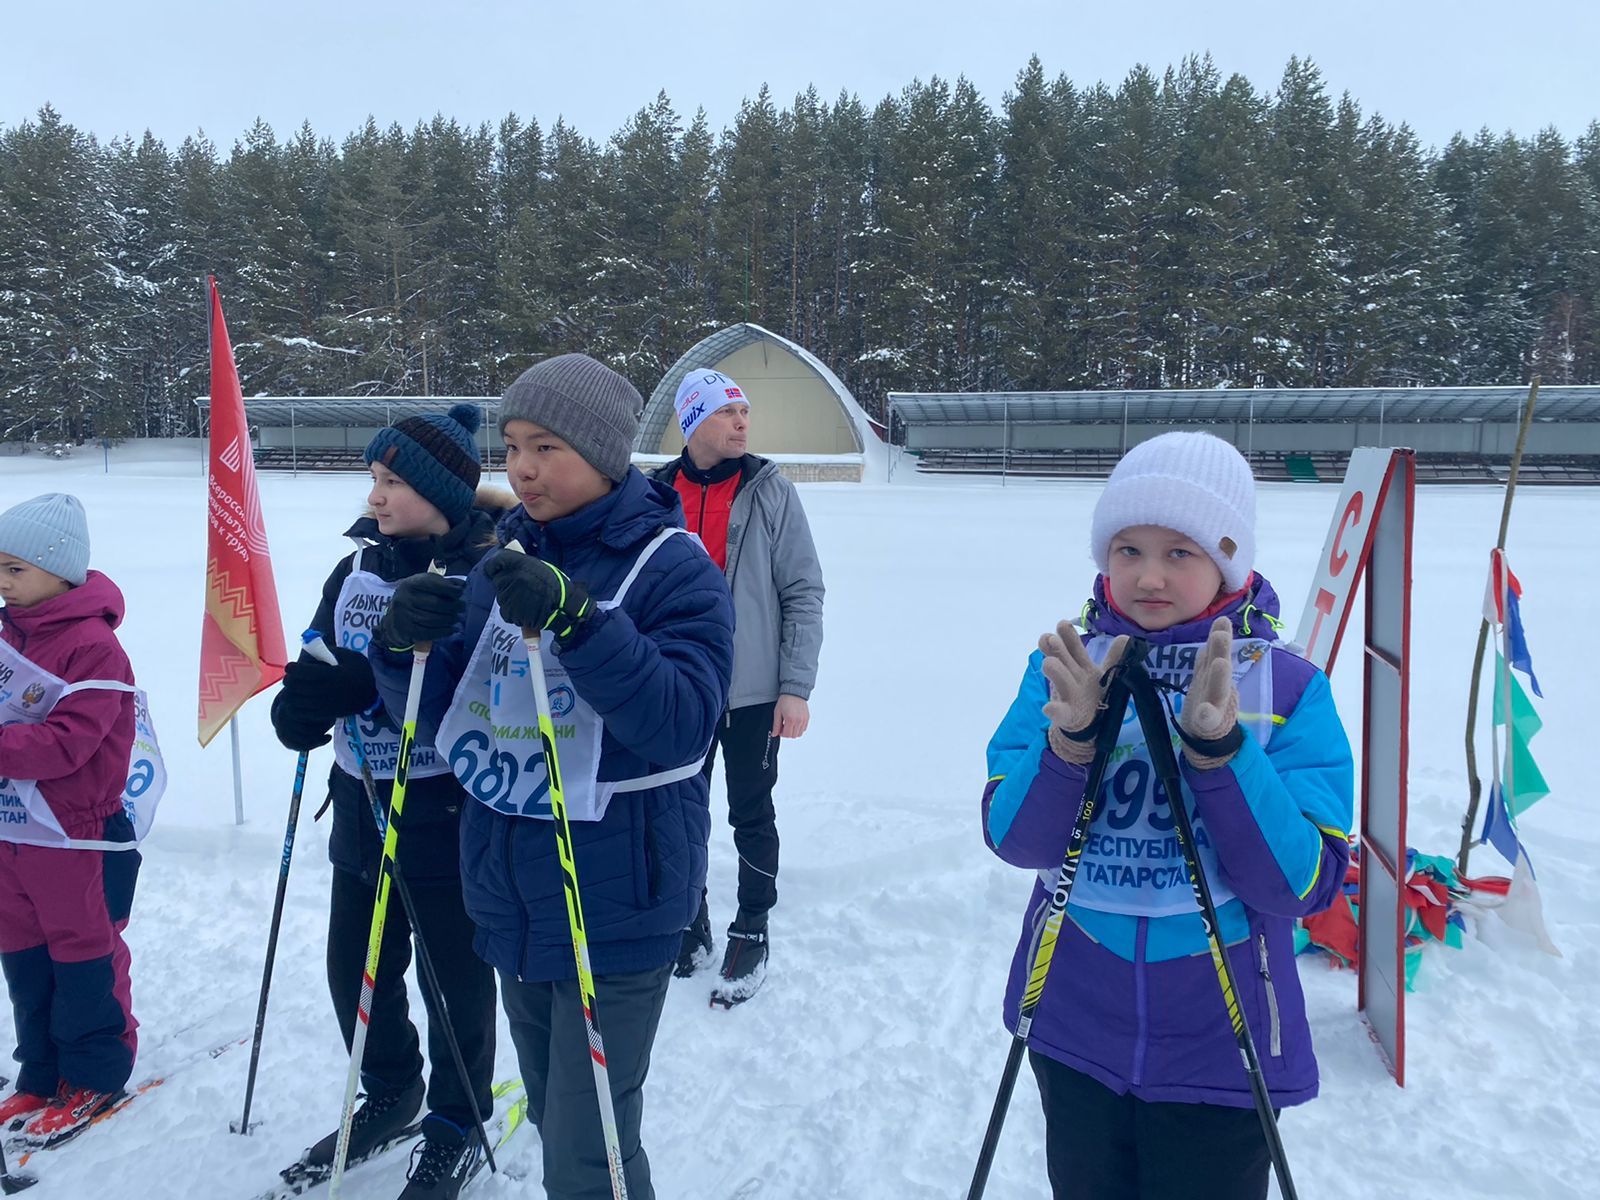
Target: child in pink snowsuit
<point>63,907</point>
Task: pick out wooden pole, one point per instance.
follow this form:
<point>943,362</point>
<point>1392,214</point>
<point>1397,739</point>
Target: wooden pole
<point>1474,784</point>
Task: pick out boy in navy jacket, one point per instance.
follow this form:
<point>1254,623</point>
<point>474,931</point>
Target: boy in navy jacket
<point>637,628</point>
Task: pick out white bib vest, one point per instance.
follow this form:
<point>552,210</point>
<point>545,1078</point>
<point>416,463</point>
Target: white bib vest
<point>492,727</point>
<point>1133,863</point>
<point>363,599</point>
<point>28,693</point>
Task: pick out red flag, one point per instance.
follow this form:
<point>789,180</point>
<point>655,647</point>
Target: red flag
<point>1501,581</point>
<point>241,642</point>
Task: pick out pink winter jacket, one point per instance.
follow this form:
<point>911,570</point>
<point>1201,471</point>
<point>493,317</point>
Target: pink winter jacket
<point>79,754</point>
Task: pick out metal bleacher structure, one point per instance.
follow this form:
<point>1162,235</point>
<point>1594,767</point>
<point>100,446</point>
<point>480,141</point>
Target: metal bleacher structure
<point>1460,434</point>
<point>329,433</point>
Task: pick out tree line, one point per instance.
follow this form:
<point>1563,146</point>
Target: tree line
<point>1180,229</point>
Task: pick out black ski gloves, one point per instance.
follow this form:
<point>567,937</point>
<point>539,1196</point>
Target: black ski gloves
<point>343,688</point>
<point>535,595</point>
<point>316,694</point>
<point>300,728</point>
<point>425,608</point>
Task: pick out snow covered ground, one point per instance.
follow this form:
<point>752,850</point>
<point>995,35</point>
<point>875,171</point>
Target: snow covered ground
<point>867,1066</point>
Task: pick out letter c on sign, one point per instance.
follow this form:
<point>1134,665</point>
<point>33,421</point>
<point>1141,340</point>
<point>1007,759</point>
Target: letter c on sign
<point>1339,556</point>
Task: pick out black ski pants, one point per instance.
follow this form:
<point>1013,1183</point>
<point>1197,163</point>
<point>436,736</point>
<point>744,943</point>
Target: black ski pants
<point>1102,1146</point>
<point>553,1055</point>
<point>750,763</point>
<point>393,1057</point>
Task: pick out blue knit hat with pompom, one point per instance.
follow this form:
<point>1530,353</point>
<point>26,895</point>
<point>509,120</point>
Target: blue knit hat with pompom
<point>436,456</point>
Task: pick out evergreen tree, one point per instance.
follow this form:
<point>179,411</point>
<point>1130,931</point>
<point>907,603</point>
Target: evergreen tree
<point>58,294</point>
<point>1038,258</point>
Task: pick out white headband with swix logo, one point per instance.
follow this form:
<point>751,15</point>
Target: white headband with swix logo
<point>702,393</point>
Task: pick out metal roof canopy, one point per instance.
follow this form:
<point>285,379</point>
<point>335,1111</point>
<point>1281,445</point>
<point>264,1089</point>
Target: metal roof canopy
<point>1259,405</point>
<point>715,348</point>
<point>332,412</point>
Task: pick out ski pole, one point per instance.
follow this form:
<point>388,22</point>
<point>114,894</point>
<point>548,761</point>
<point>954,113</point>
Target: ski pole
<point>380,905</point>
<point>310,639</point>
<point>430,980</point>
<point>11,1184</point>
<point>1158,736</point>
<point>1044,949</point>
<point>580,938</point>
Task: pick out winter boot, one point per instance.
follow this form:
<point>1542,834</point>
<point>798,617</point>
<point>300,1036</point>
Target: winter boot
<point>70,1108</point>
<point>443,1162</point>
<point>697,946</point>
<point>744,963</point>
<point>382,1117</point>
<point>20,1107</point>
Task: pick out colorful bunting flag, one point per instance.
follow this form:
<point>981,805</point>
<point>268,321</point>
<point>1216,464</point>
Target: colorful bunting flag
<point>1517,775</point>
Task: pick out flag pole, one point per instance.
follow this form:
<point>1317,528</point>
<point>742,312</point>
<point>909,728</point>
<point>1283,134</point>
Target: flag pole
<point>205,450</point>
<point>238,775</point>
<point>1474,784</point>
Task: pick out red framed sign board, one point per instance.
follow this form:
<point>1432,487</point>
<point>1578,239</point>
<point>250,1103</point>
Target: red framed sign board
<point>1371,538</point>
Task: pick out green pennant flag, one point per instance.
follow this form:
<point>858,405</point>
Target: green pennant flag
<point>1523,719</point>
<point>1526,783</point>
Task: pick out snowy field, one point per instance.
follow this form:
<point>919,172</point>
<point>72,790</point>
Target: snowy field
<point>866,1067</point>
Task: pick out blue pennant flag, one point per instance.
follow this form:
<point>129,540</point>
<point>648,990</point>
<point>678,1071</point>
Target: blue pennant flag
<point>1520,659</point>
<point>1497,828</point>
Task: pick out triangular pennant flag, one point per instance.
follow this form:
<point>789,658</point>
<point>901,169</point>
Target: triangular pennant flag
<point>1500,581</point>
<point>1526,780</point>
<point>1520,659</point>
<point>1523,909</point>
<point>1497,828</point>
<point>1524,719</point>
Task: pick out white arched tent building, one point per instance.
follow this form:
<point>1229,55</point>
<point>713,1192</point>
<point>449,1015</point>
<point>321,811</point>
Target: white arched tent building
<point>802,416</point>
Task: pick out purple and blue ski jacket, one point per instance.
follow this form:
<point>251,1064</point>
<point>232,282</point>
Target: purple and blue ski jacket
<point>1134,1000</point>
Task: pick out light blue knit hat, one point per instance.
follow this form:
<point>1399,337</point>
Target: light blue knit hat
<point>50,532</point>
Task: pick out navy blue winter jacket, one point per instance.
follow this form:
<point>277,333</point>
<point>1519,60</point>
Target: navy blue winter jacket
<point>657,671</point>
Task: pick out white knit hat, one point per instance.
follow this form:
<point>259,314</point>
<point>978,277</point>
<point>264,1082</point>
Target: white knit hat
<point>51,532</point>
<point>702,393</point>
<point>1194,483</point>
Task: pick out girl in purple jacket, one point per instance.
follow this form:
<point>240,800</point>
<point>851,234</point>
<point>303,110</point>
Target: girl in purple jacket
<point>67,863</point>
<point>1144,1091</point>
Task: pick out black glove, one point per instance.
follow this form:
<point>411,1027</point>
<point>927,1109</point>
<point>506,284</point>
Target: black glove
<point>300,726</point>
<point>425,608</point>
<point>535,595</point>
<point>316,694</point>
<point>335,689</point>
<point>301,730</point>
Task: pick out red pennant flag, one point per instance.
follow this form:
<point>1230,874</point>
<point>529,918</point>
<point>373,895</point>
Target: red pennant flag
<point>241,642</point>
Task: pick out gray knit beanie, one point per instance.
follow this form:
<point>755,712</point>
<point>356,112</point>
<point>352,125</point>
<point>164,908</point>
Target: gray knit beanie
<point>51,532</point>
<point>584,403</point>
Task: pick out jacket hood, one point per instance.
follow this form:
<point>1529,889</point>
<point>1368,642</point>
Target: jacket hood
<point>95,598</point>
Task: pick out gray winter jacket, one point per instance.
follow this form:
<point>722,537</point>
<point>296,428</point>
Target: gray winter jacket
<point>776,582</point>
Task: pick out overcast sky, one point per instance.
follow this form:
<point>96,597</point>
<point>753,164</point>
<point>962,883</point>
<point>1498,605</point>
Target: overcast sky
<point>175,66</point>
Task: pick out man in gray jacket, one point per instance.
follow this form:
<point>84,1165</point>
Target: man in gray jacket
<point>750,519</point>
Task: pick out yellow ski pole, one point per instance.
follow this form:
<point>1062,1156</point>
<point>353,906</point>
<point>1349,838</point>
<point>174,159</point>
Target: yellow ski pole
<point>580,939</point>
<point>380,906</point>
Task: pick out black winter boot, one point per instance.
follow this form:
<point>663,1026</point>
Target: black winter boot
<point>443,1162</point>
<point>382,1117</point>
<point>744,962</point>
